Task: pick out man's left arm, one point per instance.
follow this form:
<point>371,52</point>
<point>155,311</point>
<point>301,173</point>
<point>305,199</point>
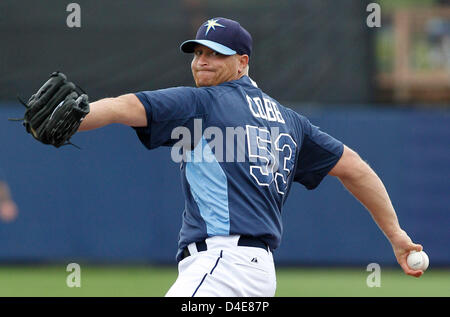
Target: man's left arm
<point>359,178</point>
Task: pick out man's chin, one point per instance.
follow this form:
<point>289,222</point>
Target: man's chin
<point>204,83</point>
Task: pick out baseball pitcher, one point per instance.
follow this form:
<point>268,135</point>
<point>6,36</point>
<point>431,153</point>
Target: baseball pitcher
<point>231,224</point>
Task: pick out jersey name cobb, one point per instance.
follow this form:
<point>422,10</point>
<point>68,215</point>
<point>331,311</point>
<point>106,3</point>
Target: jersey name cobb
<point>269,110</point>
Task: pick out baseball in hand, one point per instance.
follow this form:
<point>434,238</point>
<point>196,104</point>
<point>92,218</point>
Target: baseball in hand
<point>418,260</point>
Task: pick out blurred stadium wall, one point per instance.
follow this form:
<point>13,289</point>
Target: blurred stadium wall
<point>116,201</point>
<point>113,201</point>
<point>303,50</point>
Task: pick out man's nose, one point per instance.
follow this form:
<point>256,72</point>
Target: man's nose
<point>202,60</point>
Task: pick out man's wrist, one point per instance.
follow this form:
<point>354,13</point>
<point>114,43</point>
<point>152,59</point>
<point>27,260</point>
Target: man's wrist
<point>394,234</point>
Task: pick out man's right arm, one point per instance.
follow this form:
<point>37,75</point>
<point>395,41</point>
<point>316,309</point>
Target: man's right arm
<point>126,109</point>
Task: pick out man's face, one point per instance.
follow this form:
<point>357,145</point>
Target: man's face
<point>210,68</point>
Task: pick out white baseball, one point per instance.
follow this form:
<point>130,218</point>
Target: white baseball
<point>418,260</point>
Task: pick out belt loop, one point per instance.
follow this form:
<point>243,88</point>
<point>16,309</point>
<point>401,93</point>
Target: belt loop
<point>192,248</point>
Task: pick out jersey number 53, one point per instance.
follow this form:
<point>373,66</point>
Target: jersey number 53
<point>271,156</point>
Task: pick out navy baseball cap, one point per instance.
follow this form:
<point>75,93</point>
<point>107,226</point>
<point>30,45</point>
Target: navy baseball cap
<point>222,35</point>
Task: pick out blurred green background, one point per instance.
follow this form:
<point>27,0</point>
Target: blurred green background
<point>154,281</point>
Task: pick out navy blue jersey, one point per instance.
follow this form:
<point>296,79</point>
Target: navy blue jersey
<point>237,173</point>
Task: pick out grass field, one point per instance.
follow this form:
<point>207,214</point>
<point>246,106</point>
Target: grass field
<point>153,281</point>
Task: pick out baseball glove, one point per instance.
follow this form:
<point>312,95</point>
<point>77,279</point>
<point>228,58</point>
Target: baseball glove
<point>55,111</point>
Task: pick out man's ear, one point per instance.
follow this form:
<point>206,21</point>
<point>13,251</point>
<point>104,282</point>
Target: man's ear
<point>243,62</point>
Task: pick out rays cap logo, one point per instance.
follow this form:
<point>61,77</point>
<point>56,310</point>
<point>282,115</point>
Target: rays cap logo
<point>222,35</point>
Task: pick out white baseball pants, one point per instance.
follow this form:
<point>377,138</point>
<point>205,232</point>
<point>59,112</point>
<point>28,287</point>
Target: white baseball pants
<point>225,270</point>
